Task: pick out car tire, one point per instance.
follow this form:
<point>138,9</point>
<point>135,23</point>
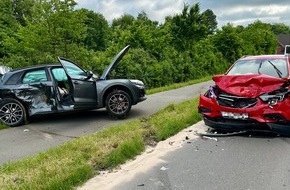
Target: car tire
<point>118,104</point>
<point>12,112</point>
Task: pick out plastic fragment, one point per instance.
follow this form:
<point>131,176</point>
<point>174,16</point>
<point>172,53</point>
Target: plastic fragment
<point>26,130</point>
<point>211,138</point>
<point>164,168</point>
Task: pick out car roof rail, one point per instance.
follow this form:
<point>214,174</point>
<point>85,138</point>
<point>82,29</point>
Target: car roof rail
<point>287,50</point>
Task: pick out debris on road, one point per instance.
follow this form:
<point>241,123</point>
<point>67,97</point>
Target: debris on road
<point>211,138</point>
<point>150,149</point>
<point>164,168</point>
<point>26,130</point>
<point>216,134</point>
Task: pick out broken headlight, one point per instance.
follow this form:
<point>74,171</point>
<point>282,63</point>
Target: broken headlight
<point>212,92</point>
<point>274,97</point>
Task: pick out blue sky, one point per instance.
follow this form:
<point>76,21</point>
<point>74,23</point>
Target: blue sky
<point>237,12</point>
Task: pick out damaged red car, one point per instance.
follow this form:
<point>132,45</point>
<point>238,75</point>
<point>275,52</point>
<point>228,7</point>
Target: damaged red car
<point>253,95</point>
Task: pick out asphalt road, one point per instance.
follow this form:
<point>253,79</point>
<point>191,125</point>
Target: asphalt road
<point>49,131</point>
<point>251,162</point>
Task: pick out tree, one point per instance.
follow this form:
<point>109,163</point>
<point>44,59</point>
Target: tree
<point>191,26</point>
<point>280,28</point>
<point>22,10</point>
<point>54,30</point>
<point>98,32</point>
<point>210,19</point>
<point>141,33</point>
<point>8,25</point>
<point>228,42</point>
<point>259,38</point>
<point>124,22</point>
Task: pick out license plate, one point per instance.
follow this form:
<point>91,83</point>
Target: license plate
<point>232,115</point>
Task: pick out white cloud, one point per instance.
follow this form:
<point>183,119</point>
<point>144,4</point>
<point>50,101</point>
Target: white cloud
<point>234,11</point>
<point>156,10</point>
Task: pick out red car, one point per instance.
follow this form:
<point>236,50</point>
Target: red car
<point>253,95</point>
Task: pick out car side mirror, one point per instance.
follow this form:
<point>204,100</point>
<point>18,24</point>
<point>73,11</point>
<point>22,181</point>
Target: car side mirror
<point>89,74</point>
<point>287,50</point>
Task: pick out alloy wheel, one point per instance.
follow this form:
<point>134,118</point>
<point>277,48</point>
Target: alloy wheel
<point>11,113</point>
<point>118,103</point>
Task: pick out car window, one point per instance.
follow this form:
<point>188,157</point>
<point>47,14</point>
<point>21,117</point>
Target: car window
<point>34,76</point>
<point>59,74</point>
<point>72,69</point>
<point>272,67</point>
<point>14,79</point>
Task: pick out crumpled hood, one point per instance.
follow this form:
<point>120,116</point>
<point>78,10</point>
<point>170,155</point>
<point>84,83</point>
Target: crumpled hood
<point>250,86</point>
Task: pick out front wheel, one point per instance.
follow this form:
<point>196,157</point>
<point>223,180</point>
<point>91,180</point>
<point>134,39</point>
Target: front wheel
<point>12,112</point>
<point>118,104</point>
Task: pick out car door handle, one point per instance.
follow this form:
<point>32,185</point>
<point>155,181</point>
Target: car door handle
<point>76,82</point>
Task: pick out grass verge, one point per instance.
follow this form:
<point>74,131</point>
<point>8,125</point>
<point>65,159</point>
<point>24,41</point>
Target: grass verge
<point>3,126</point>
<point>74,162</point>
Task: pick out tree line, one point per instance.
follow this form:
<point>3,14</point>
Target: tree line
<point>187,46</point>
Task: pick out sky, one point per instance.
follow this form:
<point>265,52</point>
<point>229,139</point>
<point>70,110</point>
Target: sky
<point>236,12</point>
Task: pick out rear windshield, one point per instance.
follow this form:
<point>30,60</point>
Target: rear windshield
<point>273,67</point>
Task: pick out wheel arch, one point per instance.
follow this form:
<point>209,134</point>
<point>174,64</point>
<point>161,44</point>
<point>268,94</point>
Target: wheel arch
<point>9,99</point>
<point>23,103</point>
<point>116,87</point>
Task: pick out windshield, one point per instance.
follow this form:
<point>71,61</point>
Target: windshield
<point>273,67</point>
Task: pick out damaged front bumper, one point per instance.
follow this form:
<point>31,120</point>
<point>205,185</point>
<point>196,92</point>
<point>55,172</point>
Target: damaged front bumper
<point>250,126</point>
<point>260,117</point>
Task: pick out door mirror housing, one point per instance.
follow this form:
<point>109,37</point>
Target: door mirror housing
<point>89,75</point>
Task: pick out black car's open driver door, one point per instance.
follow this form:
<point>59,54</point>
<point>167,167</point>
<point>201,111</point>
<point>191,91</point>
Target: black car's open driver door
<point>82,85</point>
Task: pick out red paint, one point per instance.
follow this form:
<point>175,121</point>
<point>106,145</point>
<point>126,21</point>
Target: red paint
<point>249,86</point>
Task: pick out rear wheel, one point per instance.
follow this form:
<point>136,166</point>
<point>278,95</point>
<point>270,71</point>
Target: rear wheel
<point>12,112</point>
<point>118,104</point>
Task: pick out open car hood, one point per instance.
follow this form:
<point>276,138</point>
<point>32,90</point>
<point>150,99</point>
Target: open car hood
<point>250,86</point>
<point>115,61</point>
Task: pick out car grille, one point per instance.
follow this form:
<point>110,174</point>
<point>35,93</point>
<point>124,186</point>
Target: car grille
<point>232,101</point>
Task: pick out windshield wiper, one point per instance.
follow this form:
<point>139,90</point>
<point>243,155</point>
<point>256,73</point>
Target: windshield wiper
<point>277,70</point>
<point>260,65</point>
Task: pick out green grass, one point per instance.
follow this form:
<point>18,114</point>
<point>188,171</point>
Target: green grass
<point>73,163</point>
<point>3,126</point>
<point>177,85</point>
<point>174,118</point>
